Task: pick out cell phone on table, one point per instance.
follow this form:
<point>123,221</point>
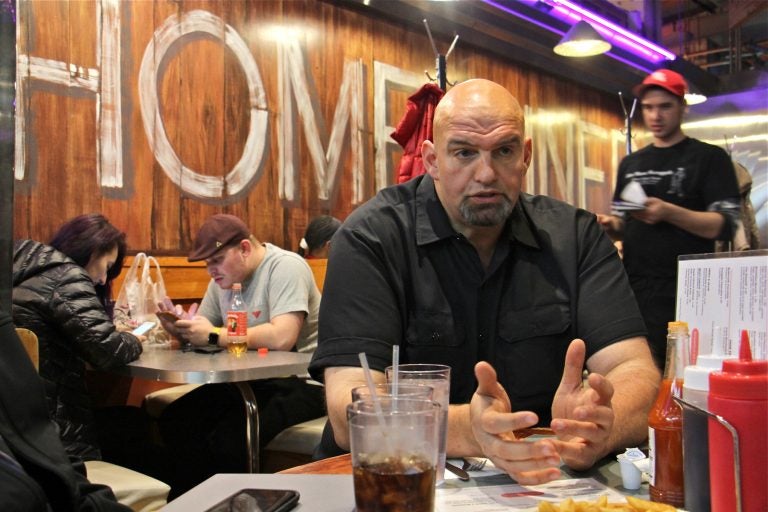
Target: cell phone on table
<point>208,349</point>
<point>258,500</point>
<point>143,328</point>
<point>168,316</point>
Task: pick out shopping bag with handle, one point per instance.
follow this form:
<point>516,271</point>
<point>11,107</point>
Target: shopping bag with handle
<point>142,289</point>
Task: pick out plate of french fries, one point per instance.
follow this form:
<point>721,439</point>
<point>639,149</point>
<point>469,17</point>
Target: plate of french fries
<point>602,505</point>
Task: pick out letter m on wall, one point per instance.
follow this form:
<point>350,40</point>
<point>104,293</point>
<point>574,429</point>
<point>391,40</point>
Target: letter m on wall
<point>294,86</point>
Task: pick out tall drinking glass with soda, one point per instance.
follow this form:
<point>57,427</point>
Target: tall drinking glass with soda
<point>394,444</point>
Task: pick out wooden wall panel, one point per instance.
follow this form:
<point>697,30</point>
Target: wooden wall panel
<point>203,97</point>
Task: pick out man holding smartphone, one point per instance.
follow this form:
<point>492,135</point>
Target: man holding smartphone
<point>205,428</point>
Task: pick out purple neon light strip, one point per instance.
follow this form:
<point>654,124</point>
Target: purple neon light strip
<point>602,22</point>
<point>560,32</point>
<point>522,16</point>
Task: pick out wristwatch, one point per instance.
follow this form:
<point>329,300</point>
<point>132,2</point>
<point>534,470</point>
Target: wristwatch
<point>213,336</point>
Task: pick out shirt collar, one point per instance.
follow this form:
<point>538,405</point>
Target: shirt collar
<point>433,224</point>
<point>520,226</point>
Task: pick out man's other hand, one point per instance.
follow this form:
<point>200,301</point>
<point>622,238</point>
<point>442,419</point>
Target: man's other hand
<point>493,425</point>
<point>582,416</point>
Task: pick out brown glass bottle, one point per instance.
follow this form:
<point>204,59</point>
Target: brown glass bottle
<point>665,422</point>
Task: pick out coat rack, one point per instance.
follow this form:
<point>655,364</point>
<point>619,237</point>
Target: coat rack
<point>628,120</point>
<point>440,60</point>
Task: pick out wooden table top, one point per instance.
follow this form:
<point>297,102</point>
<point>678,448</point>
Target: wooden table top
<point>339,465</point>
<point>342,464</point>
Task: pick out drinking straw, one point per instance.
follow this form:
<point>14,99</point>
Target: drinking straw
<point>374,398</point>
<point>395,369</point>
<point>371,387</point>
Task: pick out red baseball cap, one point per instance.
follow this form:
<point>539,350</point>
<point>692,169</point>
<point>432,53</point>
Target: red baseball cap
<point>666,79</point>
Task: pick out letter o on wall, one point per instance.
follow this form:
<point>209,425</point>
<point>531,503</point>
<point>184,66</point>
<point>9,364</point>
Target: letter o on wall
<point>250,165</point>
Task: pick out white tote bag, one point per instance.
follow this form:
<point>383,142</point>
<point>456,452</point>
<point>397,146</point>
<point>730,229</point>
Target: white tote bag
<point>142,289</point>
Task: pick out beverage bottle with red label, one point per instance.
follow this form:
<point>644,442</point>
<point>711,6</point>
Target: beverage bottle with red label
<point>739,395</point>
<point>237,323</point>
<point>665,423</point>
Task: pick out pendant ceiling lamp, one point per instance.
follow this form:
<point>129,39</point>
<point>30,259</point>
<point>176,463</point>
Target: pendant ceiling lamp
<point>582,40</point>
<point>694,96</point>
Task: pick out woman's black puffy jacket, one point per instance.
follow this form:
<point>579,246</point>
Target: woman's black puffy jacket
<point>55,298</point>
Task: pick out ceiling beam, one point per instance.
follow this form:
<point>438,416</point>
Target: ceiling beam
<point>508,37</point>
<point>741,11</point>
<point>700,27</point>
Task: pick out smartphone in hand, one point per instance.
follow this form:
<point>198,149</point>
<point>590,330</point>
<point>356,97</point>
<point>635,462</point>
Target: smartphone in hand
<point>143,328</point>
<point>168,316</point>
<point>258,500</point>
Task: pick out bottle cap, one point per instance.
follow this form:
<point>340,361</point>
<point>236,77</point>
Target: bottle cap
<point>236,287</point>
<point>742,378</point>
<point>677,326</point>
<point>696,376</point>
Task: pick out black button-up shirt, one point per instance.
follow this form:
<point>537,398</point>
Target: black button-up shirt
<point>399,273</point>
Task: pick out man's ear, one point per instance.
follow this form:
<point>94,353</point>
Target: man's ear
<point>527,154</point>
<point>245,247</point>
<point>429,158</point>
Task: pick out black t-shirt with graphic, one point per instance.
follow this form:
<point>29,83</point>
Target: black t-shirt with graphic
<point>692,174</point>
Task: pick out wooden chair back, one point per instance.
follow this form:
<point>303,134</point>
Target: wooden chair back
<point>318,267</point>
<point>29,340</point>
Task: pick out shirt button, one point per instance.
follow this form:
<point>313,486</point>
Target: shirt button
<point>435,336</point>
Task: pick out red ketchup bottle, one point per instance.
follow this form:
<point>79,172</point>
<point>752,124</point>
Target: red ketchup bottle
<point>665,424</point>
<point>739,394</point>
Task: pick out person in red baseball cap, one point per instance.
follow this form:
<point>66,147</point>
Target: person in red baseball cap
<point>691,200</point>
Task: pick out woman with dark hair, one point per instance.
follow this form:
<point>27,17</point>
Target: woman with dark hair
<point>61,292</point>
<point>317,238</point>
<point>86,238</point>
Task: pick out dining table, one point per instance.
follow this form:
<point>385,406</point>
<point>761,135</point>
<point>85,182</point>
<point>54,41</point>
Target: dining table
<point>327,486</point>
<point>191,367</point>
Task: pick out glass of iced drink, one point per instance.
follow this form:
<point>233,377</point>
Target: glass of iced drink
<point>438,377</point>
<point>394,444</point>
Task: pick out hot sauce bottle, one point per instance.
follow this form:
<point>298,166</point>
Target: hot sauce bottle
<point>665,423</point>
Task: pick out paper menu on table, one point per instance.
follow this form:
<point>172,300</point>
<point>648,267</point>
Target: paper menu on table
<point>506,497</point>
<point>725,291</point>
